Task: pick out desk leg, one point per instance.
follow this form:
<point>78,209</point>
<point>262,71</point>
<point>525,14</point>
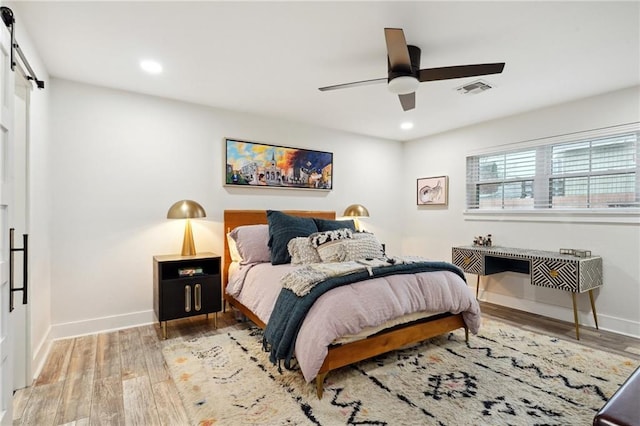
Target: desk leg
<point>477,285</point>
<point>593,308</point>
<point>575,315</point>
<point>164,330</point>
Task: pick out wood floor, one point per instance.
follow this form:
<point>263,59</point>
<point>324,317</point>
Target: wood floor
<point>120,378</point>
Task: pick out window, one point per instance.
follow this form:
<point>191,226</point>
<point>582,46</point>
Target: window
<point>598,170</point>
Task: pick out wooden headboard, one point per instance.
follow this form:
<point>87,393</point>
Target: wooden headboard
<point>235,218</point>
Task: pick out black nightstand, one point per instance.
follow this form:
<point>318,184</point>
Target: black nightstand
<point>184,286</point>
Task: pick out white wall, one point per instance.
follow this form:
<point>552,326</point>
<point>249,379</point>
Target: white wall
<point>119,160</point>
<point>433,231</point>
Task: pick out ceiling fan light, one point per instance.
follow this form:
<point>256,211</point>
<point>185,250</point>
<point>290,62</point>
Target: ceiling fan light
<point>403,85</point>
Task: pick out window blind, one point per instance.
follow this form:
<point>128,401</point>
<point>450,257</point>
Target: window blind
<point>597,172</point>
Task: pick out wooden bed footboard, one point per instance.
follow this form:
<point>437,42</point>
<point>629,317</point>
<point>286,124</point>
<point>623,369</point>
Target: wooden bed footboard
<point>387,341</point>
<point>378,344</point>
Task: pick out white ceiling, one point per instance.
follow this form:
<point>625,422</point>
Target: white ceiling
<point>269,58</point>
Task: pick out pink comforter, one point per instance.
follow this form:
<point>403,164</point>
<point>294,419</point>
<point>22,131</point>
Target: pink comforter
<point>354,307</point>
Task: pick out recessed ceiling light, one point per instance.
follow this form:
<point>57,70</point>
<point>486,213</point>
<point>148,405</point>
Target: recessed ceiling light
<point>406,125</point>
<point>152,67</point>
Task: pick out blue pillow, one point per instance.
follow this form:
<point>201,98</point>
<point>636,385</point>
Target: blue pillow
<point>283,228</point>
<point>332,225</point>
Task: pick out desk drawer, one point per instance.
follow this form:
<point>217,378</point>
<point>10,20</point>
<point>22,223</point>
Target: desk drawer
<point>576,276</point>
<point>558,274</point>
<point>469,260</point>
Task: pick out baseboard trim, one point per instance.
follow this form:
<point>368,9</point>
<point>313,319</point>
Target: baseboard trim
<point>605,322</point>
<point>40,355</point>
<point>101,325</point>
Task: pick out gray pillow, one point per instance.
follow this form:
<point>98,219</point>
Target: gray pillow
<point>252,243</point>
<point>284,227</point>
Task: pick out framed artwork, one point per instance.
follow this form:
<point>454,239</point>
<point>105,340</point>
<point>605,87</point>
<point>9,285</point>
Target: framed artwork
<point>251,164</point>
<point>433,191</point>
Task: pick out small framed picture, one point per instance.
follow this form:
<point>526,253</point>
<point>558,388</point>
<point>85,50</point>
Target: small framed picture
<point>433,191</point>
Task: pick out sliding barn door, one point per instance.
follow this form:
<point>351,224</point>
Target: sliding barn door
<point>21,314</point>
<point>6,194</point>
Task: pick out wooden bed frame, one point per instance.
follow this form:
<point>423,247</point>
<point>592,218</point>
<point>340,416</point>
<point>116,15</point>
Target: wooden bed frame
<point>349,353</point>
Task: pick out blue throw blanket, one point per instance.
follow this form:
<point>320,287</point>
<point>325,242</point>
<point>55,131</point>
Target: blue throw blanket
<point>290,310</point>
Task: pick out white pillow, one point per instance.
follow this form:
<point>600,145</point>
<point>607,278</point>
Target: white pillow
<point>302,251</point>
<point>233,249</point>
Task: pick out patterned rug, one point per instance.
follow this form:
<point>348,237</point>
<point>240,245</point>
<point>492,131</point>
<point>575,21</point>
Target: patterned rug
<point>503,376</point>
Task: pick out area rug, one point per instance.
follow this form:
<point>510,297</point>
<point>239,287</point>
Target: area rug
<point>502,376</point>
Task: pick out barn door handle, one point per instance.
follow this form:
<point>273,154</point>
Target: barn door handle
<point>12,249</point>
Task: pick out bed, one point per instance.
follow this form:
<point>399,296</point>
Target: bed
<point>349,350</point>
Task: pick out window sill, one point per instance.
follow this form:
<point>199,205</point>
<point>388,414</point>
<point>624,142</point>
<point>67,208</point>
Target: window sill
<point>596,216</point>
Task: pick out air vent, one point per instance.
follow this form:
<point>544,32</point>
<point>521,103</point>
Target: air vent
<point>476,87</point>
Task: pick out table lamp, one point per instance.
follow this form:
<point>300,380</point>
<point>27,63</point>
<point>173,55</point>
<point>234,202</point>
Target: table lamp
<point>186,209</point>
<point>356,211</point>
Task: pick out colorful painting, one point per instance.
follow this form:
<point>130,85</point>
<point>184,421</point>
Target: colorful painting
<point>432,191</point>
<point>251,164</point>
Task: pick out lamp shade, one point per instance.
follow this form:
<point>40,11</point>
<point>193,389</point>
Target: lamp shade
<point>356,210</point>
<point>185,209</point>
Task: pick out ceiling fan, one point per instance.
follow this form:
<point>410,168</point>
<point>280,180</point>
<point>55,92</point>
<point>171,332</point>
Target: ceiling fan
<point>404,73</point>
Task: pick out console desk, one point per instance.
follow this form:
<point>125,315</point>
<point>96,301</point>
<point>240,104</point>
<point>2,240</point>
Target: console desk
<point>546,269</point>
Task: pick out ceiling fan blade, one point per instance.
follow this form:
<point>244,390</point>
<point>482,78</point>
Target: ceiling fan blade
<point>397,51</point>
<point>460,71</point>
<point>354,84</point>
<point>408,101</point>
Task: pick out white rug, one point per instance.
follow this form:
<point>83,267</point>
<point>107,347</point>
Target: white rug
<point>503,376</point>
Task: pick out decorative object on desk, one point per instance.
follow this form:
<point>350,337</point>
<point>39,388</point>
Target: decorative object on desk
<point>356,211</point>
<point>186,209</point>
<point>581,253</point>
<point>494,379</point>
<point>433,191</point>
<point>483,241</point>
<point>576,252</point>
<point>250,164</point>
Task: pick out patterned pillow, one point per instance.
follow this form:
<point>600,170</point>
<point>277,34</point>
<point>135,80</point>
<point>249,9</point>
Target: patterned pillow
<point>302,252</point>
<point>319,238</point>
<point>361,246</point>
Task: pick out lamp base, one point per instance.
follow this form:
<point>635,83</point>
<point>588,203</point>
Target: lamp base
<point>188,246</point>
